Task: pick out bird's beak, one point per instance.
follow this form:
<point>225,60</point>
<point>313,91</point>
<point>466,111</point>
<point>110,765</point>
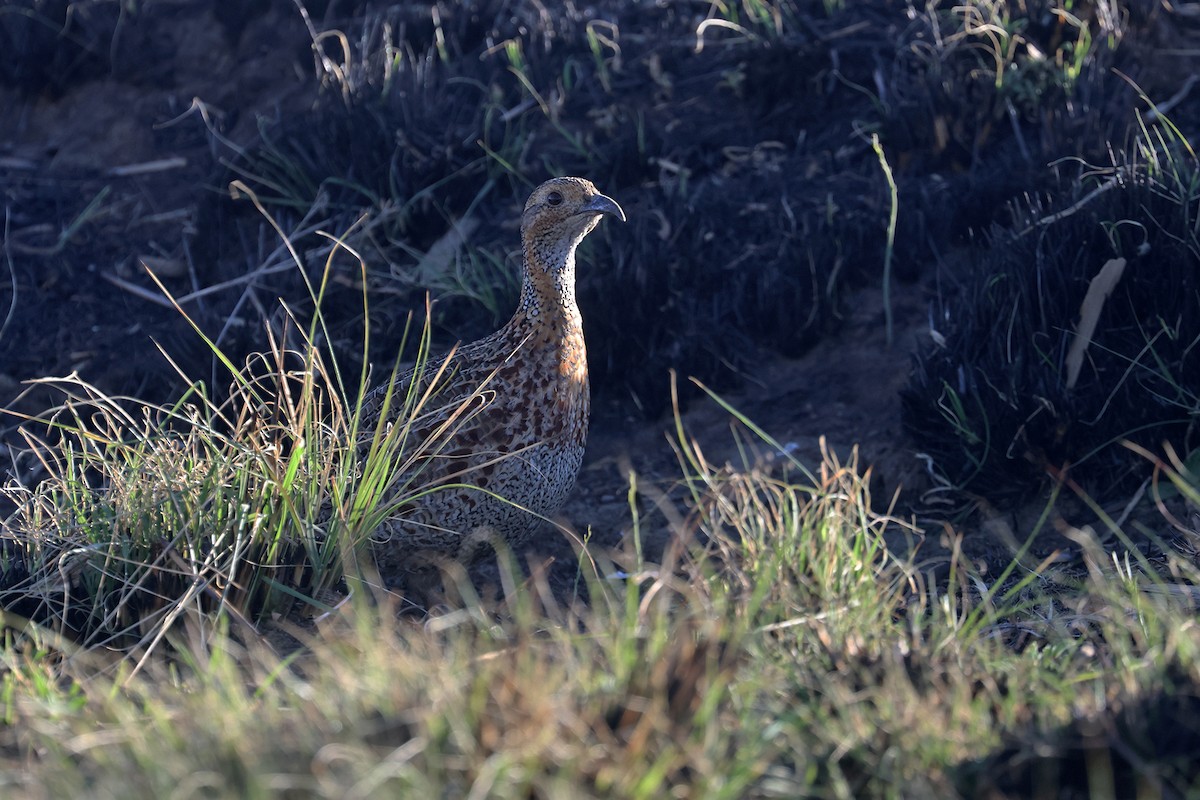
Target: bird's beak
<point>601,204</point>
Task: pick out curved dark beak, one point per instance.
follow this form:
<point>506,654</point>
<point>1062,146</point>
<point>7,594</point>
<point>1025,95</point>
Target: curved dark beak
<point>601,204</point>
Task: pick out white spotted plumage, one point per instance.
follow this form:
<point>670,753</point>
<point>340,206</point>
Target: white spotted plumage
<point>528,394</point>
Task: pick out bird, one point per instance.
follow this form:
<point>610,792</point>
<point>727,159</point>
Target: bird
<point>497,436</point>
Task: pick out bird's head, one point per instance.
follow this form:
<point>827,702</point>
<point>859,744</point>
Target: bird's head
<point>562,211</point>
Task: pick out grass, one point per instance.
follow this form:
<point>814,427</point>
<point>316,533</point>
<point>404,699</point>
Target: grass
<point>237,506</point>
<point>627,696</point>
<point>793,641</point>
<point>175,636</point>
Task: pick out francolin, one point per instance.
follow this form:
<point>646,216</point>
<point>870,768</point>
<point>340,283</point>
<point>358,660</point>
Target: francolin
<point>499,441</point>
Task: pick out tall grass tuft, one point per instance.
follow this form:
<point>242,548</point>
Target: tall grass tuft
<point>247,504</point>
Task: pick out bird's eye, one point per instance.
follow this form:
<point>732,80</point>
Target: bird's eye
<point>554,198</point>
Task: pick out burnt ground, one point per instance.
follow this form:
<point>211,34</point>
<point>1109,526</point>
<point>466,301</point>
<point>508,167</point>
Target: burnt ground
<point>135,141</point>
<point>119,162</point>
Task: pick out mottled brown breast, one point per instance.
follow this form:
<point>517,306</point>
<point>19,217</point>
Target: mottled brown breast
<point>502,440</point>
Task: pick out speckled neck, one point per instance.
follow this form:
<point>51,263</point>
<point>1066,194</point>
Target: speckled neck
<point>548,284</point>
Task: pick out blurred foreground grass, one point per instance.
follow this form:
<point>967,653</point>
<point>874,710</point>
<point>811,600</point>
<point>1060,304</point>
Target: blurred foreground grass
<point>783,649</point>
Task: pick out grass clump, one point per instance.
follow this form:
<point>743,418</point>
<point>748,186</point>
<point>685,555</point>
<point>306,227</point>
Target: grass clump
<point>148,512</point>
<point>792,642</point>
<point>814,536</point>
<point>242,506</point>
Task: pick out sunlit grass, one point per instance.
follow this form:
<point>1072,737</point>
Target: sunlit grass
<point>241,505</point>
<point>787,651</point>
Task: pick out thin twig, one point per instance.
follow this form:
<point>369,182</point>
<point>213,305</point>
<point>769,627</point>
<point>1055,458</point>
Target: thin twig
<point>147,167</point>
